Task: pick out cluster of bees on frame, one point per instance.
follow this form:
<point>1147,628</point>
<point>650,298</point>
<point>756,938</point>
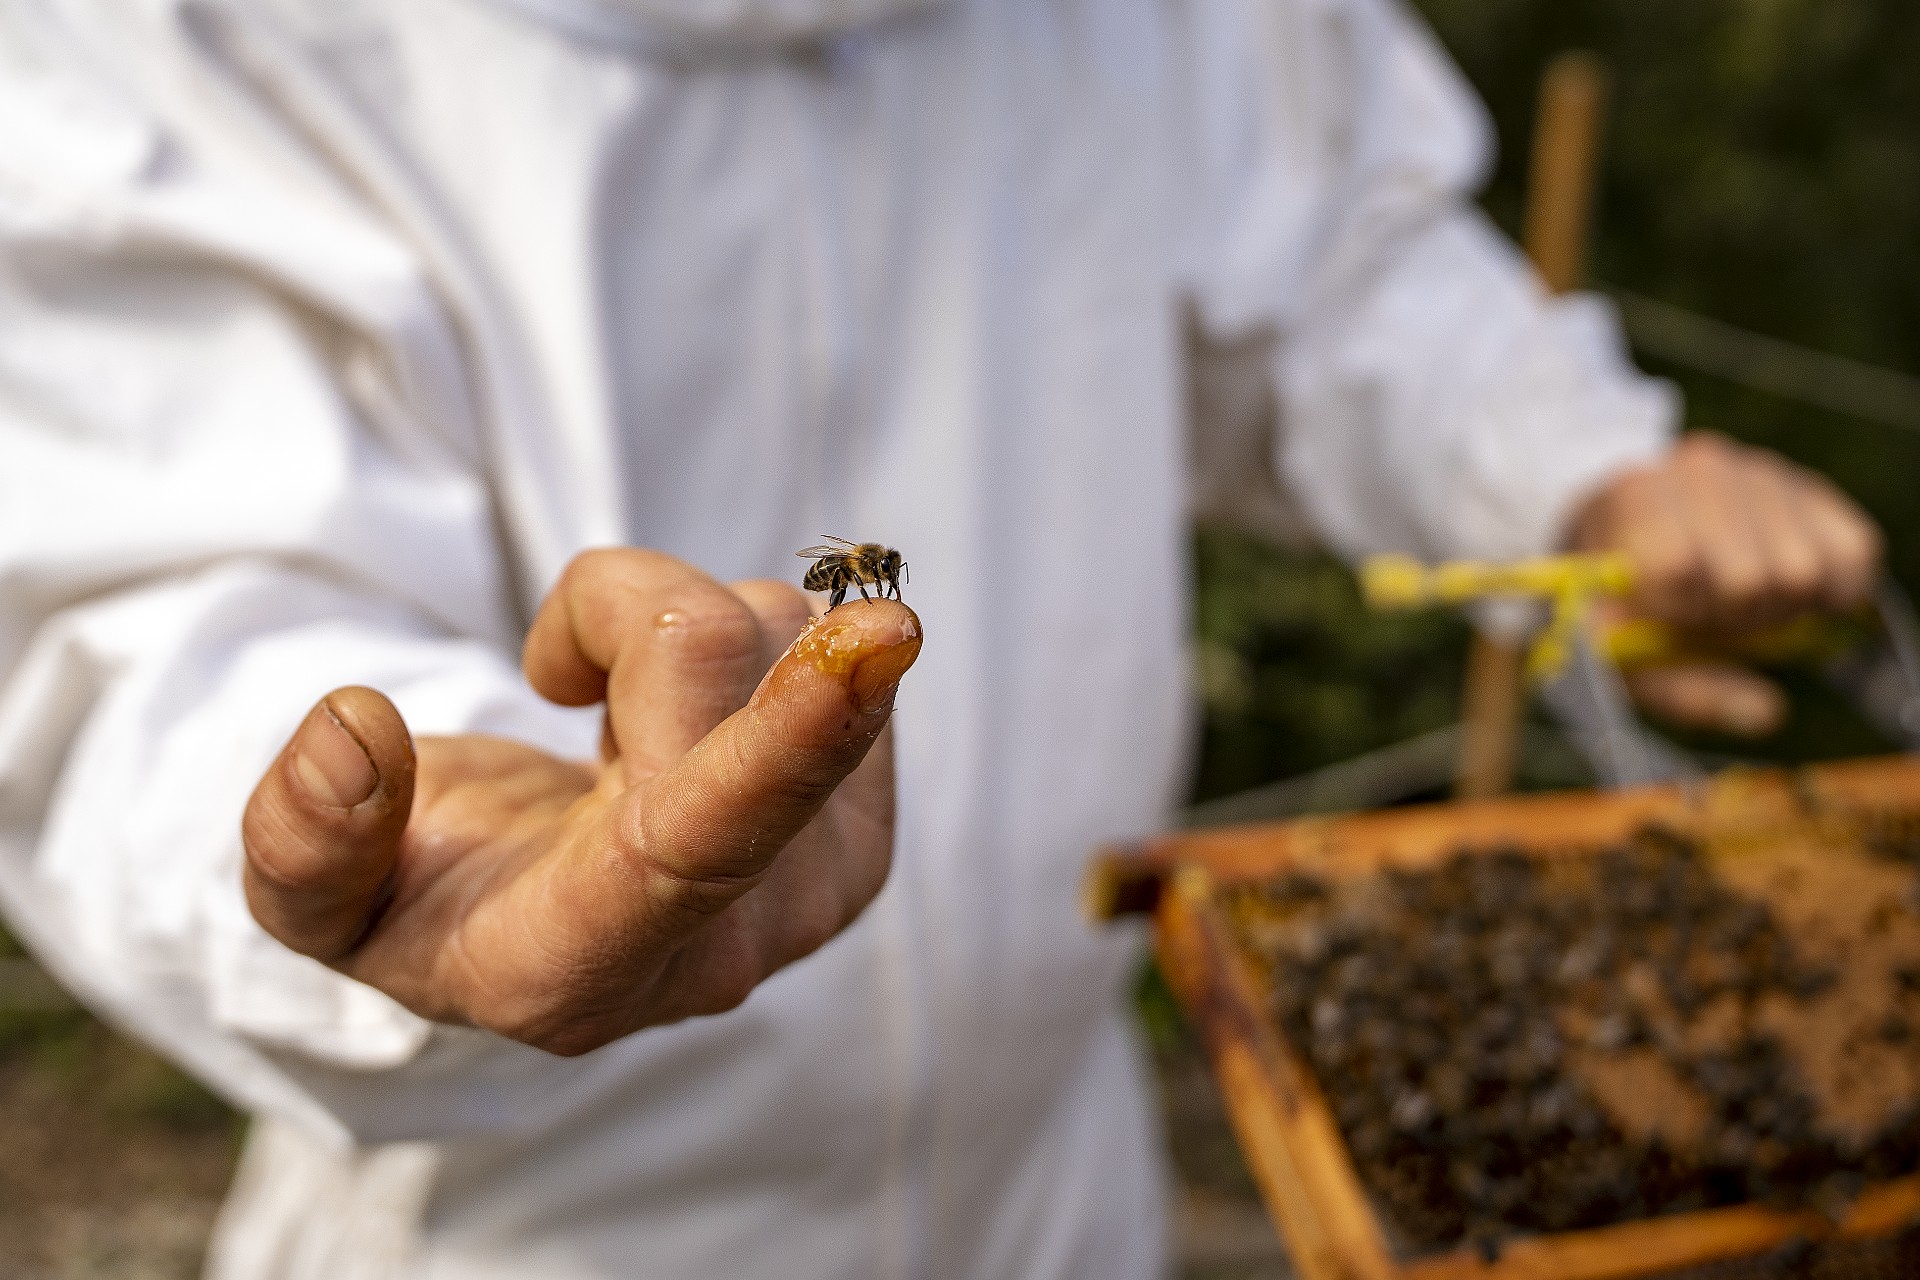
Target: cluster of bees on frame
<point>1447,1012</point>
<point>839,564</point>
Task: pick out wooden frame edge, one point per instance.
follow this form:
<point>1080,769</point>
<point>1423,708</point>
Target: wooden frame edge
<point>1277,1113</point>
<point>1422,834</point>
<point>1677,1241</point>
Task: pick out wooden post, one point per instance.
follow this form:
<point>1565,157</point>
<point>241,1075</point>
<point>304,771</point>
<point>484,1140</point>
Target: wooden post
<point>1490,708</point>
<point>1566,148</point>
<point>1566,151</point>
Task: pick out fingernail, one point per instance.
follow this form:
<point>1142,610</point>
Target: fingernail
<point>876,680</point>
<point>873,667</point>
<point>331,764</point>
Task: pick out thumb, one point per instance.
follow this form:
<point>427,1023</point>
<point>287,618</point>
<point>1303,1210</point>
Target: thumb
<point>708,828</point>
<point>1713,696</point>
<point>322,830</point>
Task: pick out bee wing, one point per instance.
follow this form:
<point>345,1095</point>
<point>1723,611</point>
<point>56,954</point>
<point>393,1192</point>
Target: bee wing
<point>816,553</point>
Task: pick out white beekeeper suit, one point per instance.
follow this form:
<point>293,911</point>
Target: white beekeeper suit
<point>329,331</point>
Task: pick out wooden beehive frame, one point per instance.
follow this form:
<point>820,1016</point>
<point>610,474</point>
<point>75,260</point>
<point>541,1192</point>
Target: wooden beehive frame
<point>1286,1129</point>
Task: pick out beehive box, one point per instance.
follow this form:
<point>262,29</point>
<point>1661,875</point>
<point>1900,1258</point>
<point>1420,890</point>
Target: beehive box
<point>1666,1032</point>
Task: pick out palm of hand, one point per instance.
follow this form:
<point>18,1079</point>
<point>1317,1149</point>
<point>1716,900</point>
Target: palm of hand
<point>492,862</point>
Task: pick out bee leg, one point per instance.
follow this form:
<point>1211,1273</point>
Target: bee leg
<point>862,584</point>
<point>838,595</point>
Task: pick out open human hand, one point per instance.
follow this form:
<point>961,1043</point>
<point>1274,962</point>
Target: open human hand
<point>740,816</point>
<point>1724,539</point>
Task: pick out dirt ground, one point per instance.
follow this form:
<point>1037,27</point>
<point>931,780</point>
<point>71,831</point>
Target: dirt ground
<point>1222,1233</point>
<point>112,1164</point>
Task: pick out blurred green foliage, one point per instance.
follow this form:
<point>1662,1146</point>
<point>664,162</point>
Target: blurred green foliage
<point>1761,161</point>
<point>1762,166</point>
<point>1296,672</point>
<point>68,1051</point>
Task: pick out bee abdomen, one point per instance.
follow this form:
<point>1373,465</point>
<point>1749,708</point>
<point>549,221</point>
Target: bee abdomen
<point>820,576</point>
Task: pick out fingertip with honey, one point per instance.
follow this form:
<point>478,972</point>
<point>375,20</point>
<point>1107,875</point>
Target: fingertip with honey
<point>865,645</point>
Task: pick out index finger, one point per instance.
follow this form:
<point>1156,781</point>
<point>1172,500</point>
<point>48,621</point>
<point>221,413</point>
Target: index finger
<point>672,651</point>
<point>704,831</point>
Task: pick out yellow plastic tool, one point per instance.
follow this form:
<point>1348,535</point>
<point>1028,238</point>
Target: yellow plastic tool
<point>1570,584</point>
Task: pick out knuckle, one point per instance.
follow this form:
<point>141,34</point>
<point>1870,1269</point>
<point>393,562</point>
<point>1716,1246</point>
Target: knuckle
<point>1800,578</point>
<point>781,608</point>
<point>1663,564</point>
<point>704,893</point>
<point>1738,576</point>
<point>694,882</point>
<point>555,1025</point>
<point>598,562</point>
<point>589,567</point>
<point>728,986</point>
<point>816,929</point>
<point>808,785</point>
<point>778,596</point>
<point>1869,546</point>
<point>1742,588</point>
<point>811,776</point>
<point>685,903</point>
<point>1667,568</point>
<point>711,626</point>
<point>600,579</point>
<point>564,1041</point>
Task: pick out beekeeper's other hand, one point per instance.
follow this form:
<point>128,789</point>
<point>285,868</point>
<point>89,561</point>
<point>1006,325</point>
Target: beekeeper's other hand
<point>740,816</point>
<point>1728,538</point>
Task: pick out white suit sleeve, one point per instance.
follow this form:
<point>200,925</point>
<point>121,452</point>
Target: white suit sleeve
<point>223,491</point>
<point>1431,397</point>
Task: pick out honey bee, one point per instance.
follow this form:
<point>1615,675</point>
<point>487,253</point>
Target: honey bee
<point>839,564</point>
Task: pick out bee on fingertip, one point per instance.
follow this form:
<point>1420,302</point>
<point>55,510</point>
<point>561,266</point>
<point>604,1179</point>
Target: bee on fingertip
<point>839,564</point>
